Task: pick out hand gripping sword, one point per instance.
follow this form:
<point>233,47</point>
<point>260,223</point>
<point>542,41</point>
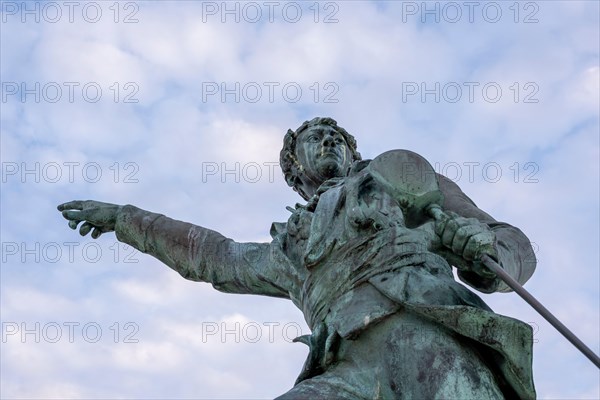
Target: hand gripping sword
<point>413,183</point>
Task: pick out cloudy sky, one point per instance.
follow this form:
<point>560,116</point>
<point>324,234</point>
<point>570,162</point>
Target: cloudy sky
<point>179,107</point>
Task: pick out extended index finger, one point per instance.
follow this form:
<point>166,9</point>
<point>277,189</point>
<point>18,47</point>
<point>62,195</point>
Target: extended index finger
<point>71,205</point>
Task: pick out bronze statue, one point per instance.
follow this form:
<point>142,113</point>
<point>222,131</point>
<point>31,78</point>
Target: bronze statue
<point>373,279</point>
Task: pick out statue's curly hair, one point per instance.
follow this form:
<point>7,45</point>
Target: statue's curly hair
<point>287,157</point>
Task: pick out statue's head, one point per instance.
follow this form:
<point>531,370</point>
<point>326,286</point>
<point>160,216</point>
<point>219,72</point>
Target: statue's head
<point>318,150</point>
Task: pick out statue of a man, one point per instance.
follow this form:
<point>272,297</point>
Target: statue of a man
<point>388,319</point>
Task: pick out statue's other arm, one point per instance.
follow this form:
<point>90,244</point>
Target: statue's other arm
<point>515,253</point>
<point>200,254</point>
<point>197,253</point>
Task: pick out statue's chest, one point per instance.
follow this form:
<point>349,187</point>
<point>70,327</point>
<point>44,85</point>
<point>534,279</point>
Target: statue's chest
<point>357,207</point>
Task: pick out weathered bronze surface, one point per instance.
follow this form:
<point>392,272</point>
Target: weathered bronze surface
<point>370,270</point>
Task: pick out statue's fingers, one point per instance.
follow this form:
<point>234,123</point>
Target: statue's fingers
<point>455,260</point>
<point>471,248</point>
<point>71,215</point>
<point>73,224</point>
<point>480,269</point>
<point>96,233</point>
<point>461,221</point>
<point>85,228</point>
<point>75,215</point>
<point>462,236</point>
<point>478,244</point>
<point>71,205</point>
<point>449,232</point>
<point>440,225</point>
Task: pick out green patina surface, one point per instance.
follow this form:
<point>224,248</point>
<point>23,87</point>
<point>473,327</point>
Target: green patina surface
<point>369,268</point>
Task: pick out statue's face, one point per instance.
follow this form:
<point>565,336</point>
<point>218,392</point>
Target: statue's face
<point>323,153</point>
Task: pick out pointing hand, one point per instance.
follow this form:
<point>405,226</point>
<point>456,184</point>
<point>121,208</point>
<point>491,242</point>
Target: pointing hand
<point>99,216</point>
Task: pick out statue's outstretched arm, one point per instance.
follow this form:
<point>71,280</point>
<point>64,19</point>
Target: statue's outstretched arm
<point>196,253</point>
